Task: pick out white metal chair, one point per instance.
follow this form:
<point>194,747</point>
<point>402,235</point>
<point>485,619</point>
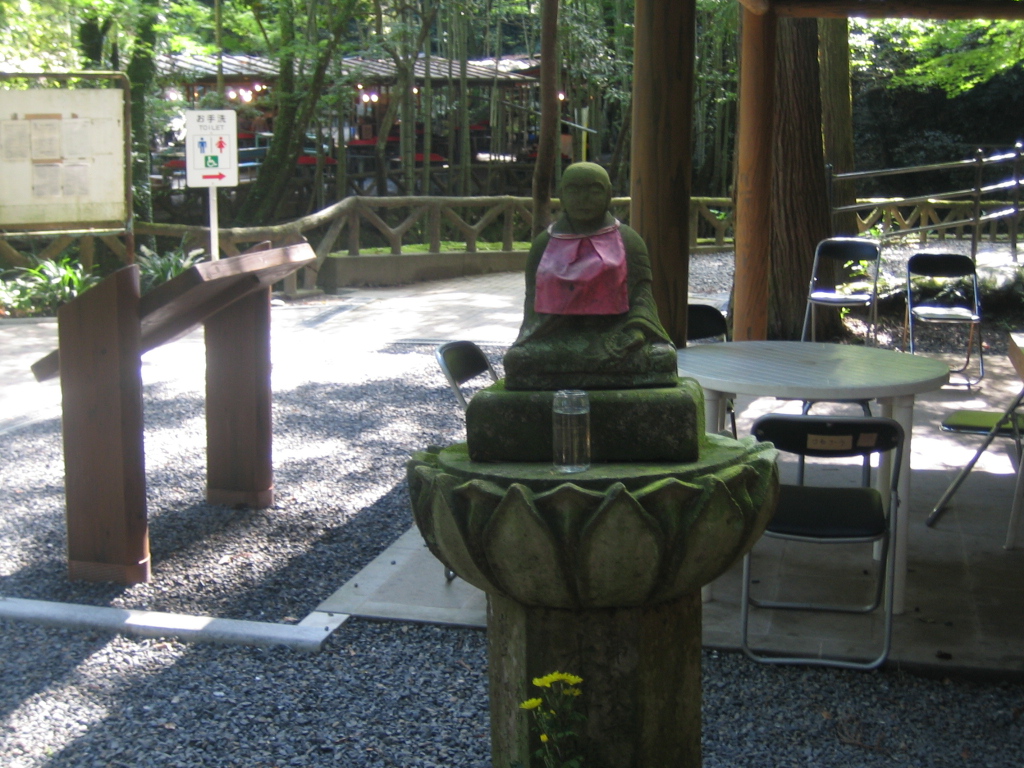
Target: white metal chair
<point>832,257</point>
<point>831,515</point>
<point>943,288</point>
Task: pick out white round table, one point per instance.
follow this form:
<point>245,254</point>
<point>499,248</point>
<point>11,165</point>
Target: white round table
<point>819,371</point>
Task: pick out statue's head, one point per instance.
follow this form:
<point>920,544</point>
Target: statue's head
<point>586,194</point>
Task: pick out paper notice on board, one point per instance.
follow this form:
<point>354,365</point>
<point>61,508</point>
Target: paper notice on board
<point>110,138</point>
<point>15,140</point>
<point>76,137</point>
<point>45,139</point>
<point>46,180</point>
<point>76,180</point>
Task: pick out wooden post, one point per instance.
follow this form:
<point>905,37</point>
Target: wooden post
<point>661,161</point>
<point>238,404</point>
<point>754,176</point>
<point>104,460</point>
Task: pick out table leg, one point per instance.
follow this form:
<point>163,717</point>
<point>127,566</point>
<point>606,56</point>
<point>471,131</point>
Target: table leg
<point>1018,502</point>
<point>714,421</point>
<point>902,410</point>
<point>714,410</point>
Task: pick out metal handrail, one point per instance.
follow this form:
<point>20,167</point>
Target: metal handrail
<point>975,193</point>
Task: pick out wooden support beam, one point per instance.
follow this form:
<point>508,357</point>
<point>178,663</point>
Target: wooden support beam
<point>895,9</point>
<point>103,334</point>
<point>101,385</point>
<point>12,256</point>
<point>56,247</point>
<point>238,404</point>
<point>754,177</point>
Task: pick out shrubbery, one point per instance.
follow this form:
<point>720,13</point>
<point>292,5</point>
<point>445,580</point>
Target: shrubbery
<point>38,290</point>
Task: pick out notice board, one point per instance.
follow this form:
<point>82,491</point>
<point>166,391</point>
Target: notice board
<point>63,155</point>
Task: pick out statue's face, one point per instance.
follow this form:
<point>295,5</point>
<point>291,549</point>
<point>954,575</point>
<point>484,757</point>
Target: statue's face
<point>585,199</point>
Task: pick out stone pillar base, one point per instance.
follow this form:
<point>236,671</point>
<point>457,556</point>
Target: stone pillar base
<point>641,686</point>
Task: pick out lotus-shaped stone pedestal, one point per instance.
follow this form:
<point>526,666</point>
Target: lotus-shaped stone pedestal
<point>597,574</point>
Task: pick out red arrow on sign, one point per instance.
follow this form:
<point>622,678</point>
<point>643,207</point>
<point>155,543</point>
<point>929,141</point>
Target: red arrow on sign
<point>213,176</point>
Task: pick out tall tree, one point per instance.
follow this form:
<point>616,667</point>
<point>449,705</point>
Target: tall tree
<point>837,116</point>
<point>800,215</point>
<point>544,170</point>
<point>297,97</point>
<point>401,30</point>
<point>714,102</point>
<point>142,74</point>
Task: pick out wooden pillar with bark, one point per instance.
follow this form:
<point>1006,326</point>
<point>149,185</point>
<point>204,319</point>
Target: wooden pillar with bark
<point>661,153</point>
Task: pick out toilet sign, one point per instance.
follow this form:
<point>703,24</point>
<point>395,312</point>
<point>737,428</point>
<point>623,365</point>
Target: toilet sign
<point>211,158</point>
<point>211,148</point>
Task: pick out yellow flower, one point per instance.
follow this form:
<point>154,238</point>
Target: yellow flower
<point>543,738</point>
<point>573,691</point>
<point>530,704</point>
<point>556,677</point>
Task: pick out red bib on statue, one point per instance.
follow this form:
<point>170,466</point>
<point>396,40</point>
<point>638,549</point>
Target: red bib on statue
<point>583,275</point>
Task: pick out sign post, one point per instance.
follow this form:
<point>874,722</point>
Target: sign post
<point>211,158</point>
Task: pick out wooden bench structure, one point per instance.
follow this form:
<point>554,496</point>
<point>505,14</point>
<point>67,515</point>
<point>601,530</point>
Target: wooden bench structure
<point>102,336</point>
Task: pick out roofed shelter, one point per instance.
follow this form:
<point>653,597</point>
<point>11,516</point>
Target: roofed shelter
<point>662,111</point>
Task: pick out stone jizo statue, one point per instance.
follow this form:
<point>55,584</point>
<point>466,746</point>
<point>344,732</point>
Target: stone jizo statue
<point>589,319</point>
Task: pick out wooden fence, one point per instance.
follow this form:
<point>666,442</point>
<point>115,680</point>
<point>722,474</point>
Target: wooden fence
<point>449,226</point>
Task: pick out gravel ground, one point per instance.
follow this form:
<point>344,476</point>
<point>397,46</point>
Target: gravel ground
<point>380,694</point>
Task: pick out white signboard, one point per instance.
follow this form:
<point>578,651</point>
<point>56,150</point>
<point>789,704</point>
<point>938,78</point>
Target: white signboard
<point>211,148</point>
<point>62,157</point>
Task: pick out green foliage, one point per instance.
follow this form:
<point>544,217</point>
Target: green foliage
<point>954,56</point>
<point>43,287</point>
<point>39,290</point>
<point>157,268</point>
<point>556,719</point>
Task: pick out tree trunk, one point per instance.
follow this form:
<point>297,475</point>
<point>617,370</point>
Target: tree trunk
<point>142,73</point>
<point>465,146</point>
<point>279,164</point>
<point>837,116</point>
<point>544,170</point>
<point>92,34</point>
<point>427,110</point>
<point>662,160</point>
<point>800,216</point>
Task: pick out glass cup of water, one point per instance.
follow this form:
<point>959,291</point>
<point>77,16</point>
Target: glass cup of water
<point>571,420</point>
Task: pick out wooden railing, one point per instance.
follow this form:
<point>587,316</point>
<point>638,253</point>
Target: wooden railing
<point>939,219</point>
<point>357,224</point>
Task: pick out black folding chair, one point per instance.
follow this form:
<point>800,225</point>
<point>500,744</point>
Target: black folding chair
<point>704,321</point>
<point>831,515</point>
<point>462,361</point>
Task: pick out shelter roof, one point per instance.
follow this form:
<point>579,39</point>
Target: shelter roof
<point>235,66</point>
<point>917,9</point>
